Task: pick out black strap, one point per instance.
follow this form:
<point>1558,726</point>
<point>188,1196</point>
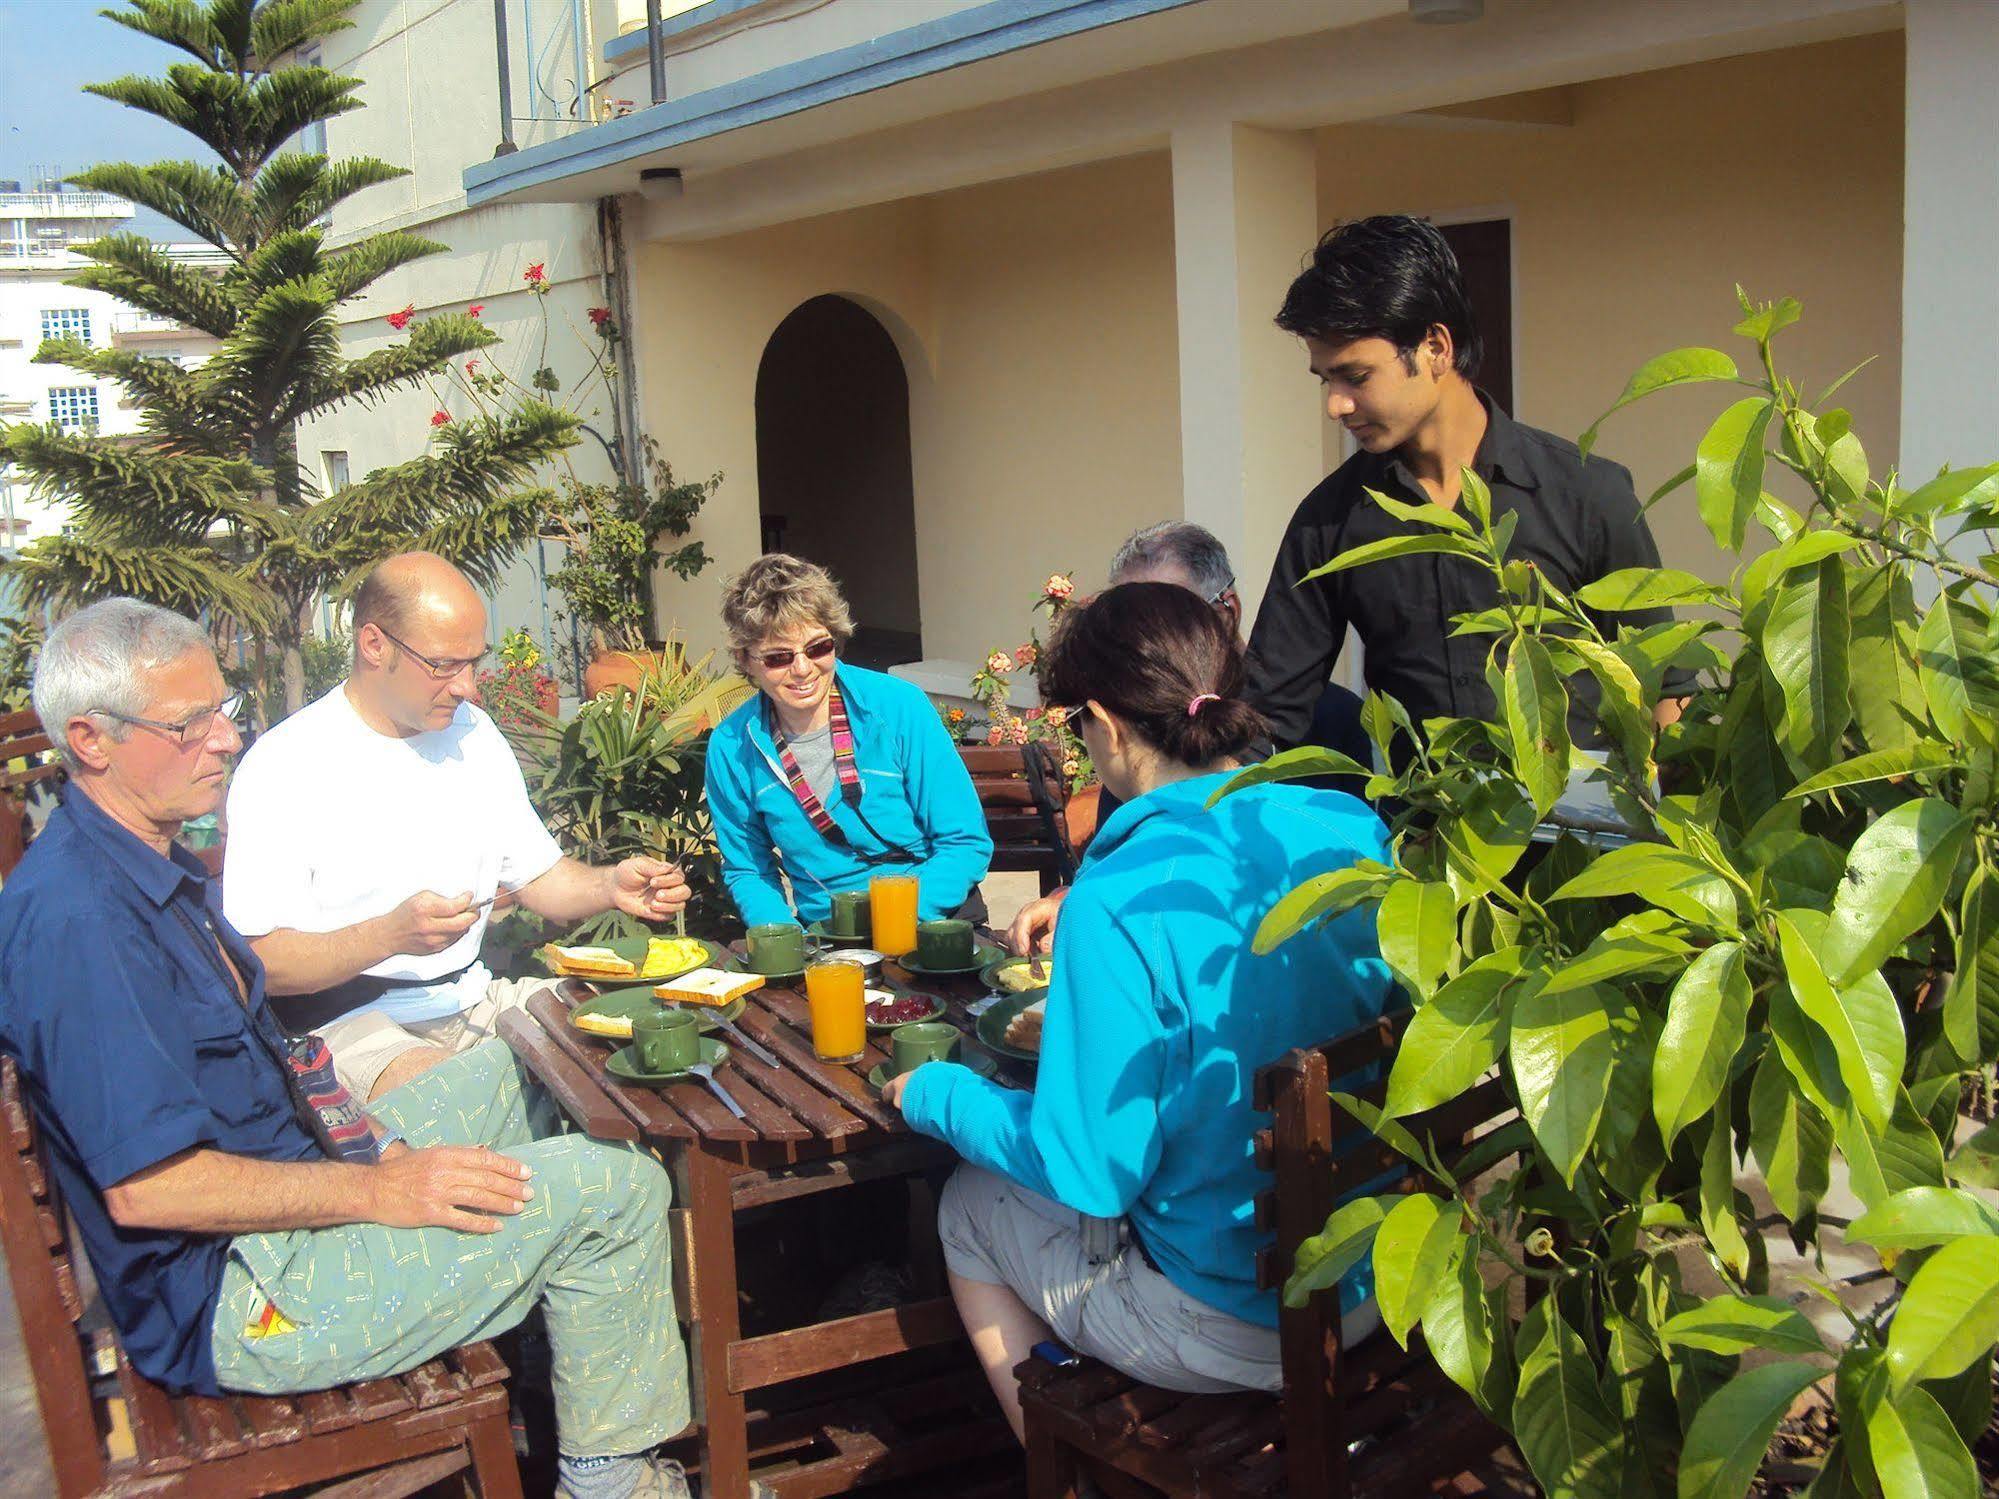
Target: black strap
<point>301,1013</point>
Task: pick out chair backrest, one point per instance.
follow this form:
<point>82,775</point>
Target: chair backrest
<point>21,739</point>
<point>1310,1179</point>
<point>1021,790</point>
<point>35,1235</point>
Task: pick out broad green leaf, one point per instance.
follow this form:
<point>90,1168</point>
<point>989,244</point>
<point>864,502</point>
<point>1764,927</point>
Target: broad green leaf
<point>1458,1326</point>
<point>1321,896</point>
<point>1845,468</point>
<point>1888,701</point>
<point>1800,551</point>
<point>1561,1051</point>
<point>1622,705</point>
<point>1475,496</point>
<point>1454,1039</point>
<point>1896,877</point>
<point>1975,1162</point>
<point>1418,931</point>
<point>1736,1324</point>
<point>1923,1217</point>
<point>1769,319</point>
<point>1335,1249</point>
<point>1393,546</point>
<point>1835,1478</point>
<point>1917,1453</point>
<point>1292,765</point>
<point>1950,491</point>
<point>1561,1420</point>
<point>1958,674</point>
<point>1666,877</point>
<point>1863,1024</point>
<point>1728,470</point>
<point>1717,1198</point>
<point>1684,476</point>
<point>1443,517</point>
<point>1645,588</point>
<point>1801,869</point>
<point>1790,1139</point>
<point>1640,943</point>
<point>1732,1430</point>
<point>1974,985</point>
<point>1389,1132</point>
<point>1883,765</point>
<point>1629,1150</point>
<point>1966,1398</point>
<point>1643,1402</point>
<point>1412,1250</point>
<point>1806,637</point>
<point>1880,1163</point>
<point>1493,830</point>
<point>1705,1021</point>
<point>1680,367</point>
<point>1537,717</point>
<point>1949,1314</point>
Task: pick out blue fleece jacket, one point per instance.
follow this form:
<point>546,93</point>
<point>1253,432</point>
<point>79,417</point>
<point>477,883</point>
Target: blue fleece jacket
<point>1159,1016</point>
<point>914,790</point>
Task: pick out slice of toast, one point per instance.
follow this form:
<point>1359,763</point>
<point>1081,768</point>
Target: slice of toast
<point>708,986</point>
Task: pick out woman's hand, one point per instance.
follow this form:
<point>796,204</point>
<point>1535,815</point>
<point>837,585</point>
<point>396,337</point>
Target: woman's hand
<point>1033,930</point>
<point>897,1085</point>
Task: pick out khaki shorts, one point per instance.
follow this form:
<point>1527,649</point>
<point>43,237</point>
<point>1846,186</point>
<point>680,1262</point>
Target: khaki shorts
<point>363,1045</point>
<point>1086,1278</point>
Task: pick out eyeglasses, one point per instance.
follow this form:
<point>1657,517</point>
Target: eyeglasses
<point>443,670</point>
<point>1223,592</point>
<point>190,731</point>
<point>818,650</point>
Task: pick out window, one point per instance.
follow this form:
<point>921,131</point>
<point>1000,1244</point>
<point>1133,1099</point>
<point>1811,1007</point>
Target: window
<point>66,322</point>
<point>312,139</point>
<point>335,465</point>
<point>74,407</point>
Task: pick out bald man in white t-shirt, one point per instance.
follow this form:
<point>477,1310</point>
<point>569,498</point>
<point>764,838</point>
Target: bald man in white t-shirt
<point>369,832</point>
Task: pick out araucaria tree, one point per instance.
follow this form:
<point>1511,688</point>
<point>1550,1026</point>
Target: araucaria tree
<point>209,509</point>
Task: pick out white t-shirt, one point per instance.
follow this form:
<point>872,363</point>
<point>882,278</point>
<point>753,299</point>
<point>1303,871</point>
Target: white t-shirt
<point>331,822</point>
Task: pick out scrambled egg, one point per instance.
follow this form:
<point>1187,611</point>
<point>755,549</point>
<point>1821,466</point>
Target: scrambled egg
<point>1018,978</point>
<point>666,955</point>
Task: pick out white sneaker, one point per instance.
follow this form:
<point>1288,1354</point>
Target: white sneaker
<point>663,1478</point>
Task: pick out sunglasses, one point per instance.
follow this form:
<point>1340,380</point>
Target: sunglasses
<point>818,650</point>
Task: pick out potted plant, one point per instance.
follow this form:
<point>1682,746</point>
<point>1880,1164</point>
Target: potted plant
<point>1786,961</point>
<point>518,692</point>
<point>991,688</point>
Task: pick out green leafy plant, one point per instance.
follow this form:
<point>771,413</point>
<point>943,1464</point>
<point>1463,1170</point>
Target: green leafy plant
<point>210,510</point>
<point>1789,956</point>
<point>625,777</point>
<point>20,638</point>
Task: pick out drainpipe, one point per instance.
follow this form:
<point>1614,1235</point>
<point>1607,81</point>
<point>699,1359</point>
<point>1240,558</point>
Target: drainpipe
<point>506,146</point>
<point>618,280</point>
<point>655,52</point>
<point>581,43</point>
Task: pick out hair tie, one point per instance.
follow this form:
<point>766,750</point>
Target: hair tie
<point>1194,703</point>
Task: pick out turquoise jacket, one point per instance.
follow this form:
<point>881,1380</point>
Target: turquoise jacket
<point>1159,1016</point>
<point>915,790</point>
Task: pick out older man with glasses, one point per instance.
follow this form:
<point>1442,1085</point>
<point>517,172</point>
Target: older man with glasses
<point>370,832</point>
<point>237,1245</point>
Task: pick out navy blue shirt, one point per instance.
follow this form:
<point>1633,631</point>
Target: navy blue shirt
<point>135,1045</point>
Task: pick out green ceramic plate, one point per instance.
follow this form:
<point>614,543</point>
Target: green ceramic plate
<point>735,964</point>
<point>624,1066</point>
<point>983,954</point>
<point>936,1008</point>
<point>638,1000</point>
<point>633,950</point>
<point>993,1019</point>
<point>989,975</point>
<point>818,933</point>
<point>978,1061</point>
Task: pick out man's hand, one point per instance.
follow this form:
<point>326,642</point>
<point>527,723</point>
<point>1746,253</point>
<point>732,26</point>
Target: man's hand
<point>448,1186</point>
<point>1033,930</point>
<point>428,923</point>
<point>648,888</point>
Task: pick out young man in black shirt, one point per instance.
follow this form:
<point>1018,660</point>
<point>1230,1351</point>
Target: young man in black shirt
<point>1384,316</point>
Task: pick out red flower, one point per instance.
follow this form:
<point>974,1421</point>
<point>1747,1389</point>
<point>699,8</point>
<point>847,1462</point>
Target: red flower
<point>475,309</point>
<point>1026,655</point>
<point>599,316</point>
<point>533,275</point>
<point>401,320</point>
<point>471,366</point>
<point>440,418</point>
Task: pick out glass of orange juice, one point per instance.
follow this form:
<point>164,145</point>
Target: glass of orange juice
<point>836,996</point>
<point>892,900</point>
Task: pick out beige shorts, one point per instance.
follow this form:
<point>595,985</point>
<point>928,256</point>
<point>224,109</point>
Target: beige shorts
<point>363,1045</point>
<point>1086,1278</point>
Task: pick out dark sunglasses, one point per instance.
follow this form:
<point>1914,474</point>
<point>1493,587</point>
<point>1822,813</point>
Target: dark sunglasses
<point>818,650</point>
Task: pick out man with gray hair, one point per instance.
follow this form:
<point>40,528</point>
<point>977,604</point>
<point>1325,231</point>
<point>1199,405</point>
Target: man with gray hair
<point>234,1247</point>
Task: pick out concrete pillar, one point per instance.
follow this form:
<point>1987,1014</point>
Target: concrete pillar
<point>1950,287</point>
<point>1245,213</point>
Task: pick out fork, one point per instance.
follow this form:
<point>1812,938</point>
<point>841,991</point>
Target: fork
<point>706,1072</point>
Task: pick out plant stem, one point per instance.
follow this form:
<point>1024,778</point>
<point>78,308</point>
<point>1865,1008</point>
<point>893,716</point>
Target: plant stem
<point>1902,549</point>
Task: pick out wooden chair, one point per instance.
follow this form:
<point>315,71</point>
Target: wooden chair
<point>1377,1421</point>
<point>387,1437</point>
<point>1021,788</point>
<point>21,738</point>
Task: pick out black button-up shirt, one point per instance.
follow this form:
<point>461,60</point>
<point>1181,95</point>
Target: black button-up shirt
<point>1579,520</point>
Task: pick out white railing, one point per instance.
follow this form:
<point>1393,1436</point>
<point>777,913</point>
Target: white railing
<point>67,205</point>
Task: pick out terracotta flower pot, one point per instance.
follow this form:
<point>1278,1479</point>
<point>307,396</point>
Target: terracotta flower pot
<point>608,669</point>
<point>1081,812</point>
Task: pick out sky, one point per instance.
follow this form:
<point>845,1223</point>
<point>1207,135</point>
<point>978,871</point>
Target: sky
<point>48,50</point>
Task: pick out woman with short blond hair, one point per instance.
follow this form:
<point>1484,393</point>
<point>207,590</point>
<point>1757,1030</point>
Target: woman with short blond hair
<point>831,773</point>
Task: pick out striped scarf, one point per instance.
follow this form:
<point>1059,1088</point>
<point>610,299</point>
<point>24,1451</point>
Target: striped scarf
<point>843,765</point>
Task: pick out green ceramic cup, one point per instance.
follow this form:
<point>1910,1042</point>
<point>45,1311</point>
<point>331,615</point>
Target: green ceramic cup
<point>776,947</point>
<point>910,1046</point>
<point>944,944</point>
<point>849,916</point>
<point>667,1042</point>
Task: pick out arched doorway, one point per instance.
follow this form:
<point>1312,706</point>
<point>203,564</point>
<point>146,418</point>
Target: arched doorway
<point>833,469</point>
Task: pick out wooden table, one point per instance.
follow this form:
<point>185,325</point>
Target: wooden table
<point>812,1126</point>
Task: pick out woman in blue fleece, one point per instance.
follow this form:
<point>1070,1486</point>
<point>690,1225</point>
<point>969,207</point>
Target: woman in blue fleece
<point>1111,1207</point>
<point>831,774</point>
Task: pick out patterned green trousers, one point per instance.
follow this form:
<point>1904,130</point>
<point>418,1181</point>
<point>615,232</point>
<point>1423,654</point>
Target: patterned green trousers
<point>365,1301</point>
